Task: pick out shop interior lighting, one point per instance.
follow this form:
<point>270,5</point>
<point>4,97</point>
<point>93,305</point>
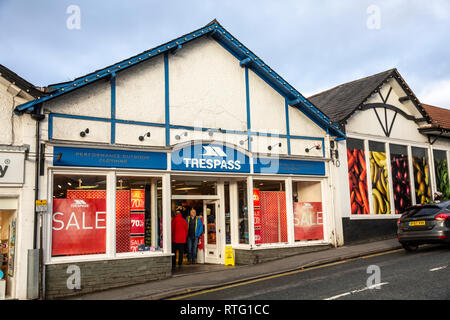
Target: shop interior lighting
<point>276,144</point>
<point>141,138</point>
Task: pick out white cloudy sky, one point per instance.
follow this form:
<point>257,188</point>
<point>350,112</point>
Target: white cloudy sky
<point>314,44</point>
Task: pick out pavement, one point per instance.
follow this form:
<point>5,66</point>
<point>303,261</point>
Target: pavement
<point>192,278</point>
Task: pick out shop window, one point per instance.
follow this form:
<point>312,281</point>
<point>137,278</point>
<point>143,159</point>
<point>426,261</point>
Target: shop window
<point>357,176</point>
<point>379,178</point>
<point>194,187</point>
<point>243,212</point>
<point>269,201</point>
<point>441,173</point>
<point>79,215</point>
<point>138,214</point>
<point>400,177</point>
<point>421,175</point>
<point>308,212</point>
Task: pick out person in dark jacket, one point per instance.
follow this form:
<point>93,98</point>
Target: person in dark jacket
<point>195,230</point>
<point>179,235</point>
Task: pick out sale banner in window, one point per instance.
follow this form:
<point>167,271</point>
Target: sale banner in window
<point>135,242</point>
<point>79,226</point>
<point>137,223</point>
<point>308,221</point>
<point>137,199</point>
<point>257,216</point>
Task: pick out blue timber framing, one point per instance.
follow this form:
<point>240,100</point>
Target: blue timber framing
<point>113,107</point>
<point>216,31</point>
<point>166,97</point>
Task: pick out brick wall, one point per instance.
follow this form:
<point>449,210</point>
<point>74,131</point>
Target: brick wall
<point>105,274</point>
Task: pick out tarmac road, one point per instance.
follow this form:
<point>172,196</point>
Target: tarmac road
<point>422,275</point>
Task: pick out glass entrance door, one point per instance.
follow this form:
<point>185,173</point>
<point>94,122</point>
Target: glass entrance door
<point>212,234</point>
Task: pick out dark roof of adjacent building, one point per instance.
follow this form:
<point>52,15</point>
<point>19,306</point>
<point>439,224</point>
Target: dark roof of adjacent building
<point>440,117</point>
<point>340,102</point>
<point>20,82</point>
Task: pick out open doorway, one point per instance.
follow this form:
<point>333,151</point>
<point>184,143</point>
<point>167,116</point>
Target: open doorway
<point>204,195</point>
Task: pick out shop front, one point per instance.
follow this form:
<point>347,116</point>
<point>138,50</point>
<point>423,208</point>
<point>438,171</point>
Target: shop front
<point>128,145</point>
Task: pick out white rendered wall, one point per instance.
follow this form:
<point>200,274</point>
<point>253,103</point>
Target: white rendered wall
<point>69,129</point>
<point>93,100</point>
<point>207,87</point>
<point>301,125</point>
<point>366,122</point>
<point>267,107</point>
<point>140,92</point>
<point>129,134</point>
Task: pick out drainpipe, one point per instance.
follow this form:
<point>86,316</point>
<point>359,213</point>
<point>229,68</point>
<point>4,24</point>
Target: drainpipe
<point>37,231</point>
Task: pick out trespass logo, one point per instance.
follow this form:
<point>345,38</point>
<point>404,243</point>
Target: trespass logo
<point>206,162</point>
<point>209,158</point>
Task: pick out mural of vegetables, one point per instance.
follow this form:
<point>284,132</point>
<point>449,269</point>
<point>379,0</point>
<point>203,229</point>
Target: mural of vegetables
<point>400,182</point>
<point>421,179</point>
<point>380,183</point>
<point>357,172</point>
<point>441,170</point>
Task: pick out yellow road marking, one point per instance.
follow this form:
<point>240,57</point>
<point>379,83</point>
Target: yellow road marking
<point>281,275</point>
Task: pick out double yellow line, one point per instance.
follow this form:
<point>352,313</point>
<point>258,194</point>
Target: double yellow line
<point>282,275</point>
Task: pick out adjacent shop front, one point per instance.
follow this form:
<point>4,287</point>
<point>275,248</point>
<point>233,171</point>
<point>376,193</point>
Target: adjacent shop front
<point>389,162</point>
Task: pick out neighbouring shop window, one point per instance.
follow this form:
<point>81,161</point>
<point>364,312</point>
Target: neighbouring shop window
<point>138,214</point>
<point>269,202</point>
<point>400,177</point>
<point>357,177</point>
<point>379,178</point>
<point>194,187</point>
<point>441,173</point>
<point>308,212</point>
<point>79,215</point>
<point>243,212</point>
<point>421,171</point>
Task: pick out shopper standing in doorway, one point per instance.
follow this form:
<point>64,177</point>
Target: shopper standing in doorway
<point>179,234</point>
<point>195,230</point>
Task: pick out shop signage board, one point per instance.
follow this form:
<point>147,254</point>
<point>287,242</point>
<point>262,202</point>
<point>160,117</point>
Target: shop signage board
<point>12,167</point>
<point>108,158</point>
<point>210,157</point>
<point>287,166</point>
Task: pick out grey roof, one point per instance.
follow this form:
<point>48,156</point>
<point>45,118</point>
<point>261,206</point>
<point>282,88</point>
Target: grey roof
<point>20,82</point>
<point>340,102</point>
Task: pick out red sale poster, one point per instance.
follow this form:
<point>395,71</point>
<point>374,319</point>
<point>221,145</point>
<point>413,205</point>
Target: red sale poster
<point>308,221</point>
<point>79,226</point>
<point>135,242</point>
<point>137,199</point>
<point>257,216</point>
<point>137,223</point>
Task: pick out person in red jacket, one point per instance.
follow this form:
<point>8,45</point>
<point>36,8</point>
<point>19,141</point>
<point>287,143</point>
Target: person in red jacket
<point>179,235</point>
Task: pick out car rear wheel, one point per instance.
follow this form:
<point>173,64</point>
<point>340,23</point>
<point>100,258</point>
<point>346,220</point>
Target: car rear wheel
<point>410,247</point>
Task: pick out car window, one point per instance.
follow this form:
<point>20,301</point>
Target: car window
<point>423,211</point>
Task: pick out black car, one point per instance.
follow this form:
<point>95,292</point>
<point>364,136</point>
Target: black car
<point>424,224</point>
